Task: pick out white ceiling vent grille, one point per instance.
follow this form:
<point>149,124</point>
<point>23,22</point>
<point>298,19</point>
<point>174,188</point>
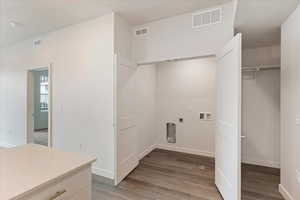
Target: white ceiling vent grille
<point>208,17</point>
<point>142,31</point>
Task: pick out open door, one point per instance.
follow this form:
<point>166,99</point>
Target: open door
<point>228,121</point>
<point>126,138</point>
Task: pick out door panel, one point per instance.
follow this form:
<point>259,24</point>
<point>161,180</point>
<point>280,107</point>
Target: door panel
<point>126,135</point>
<point>228,121</point>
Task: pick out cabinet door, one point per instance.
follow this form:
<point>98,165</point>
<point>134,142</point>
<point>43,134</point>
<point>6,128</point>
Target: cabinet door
<point>74,186</point>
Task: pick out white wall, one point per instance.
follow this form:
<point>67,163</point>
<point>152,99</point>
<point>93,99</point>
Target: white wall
<point>290,107</point>
<point>1,102</point>
<point>261,119</point>
<point>82,57</point>
<point>261,108</point>
<point>122,37</point>
<point>146,104</point>
<point>184,89</point>
<point>269,55</point>
<point>174,37</point>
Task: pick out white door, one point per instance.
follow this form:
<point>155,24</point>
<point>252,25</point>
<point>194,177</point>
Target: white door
<point>125,119</point>
<point>228,121</point>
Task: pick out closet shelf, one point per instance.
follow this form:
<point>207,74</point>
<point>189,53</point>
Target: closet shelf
<point>260,68</point>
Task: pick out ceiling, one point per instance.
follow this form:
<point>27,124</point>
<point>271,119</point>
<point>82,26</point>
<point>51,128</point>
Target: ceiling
<point>33,17</point>
<point>260,20</point>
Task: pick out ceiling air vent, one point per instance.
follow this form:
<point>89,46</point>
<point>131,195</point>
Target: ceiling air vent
<point>142,31</point>
<point>208,17</point>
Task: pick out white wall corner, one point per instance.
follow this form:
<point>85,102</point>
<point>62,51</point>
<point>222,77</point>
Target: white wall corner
<point>235,9</point>
<point>286,195</point>
<point>103,172</point>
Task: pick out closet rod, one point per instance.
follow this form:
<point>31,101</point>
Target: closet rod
<point>260,68</point>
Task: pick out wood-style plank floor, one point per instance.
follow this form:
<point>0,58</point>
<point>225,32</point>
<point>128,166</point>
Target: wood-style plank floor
<point>165,175</point>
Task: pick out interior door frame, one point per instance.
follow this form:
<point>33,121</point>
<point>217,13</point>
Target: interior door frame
<point>115,121</point>
<point>28,117</point>
<point>228,48</point>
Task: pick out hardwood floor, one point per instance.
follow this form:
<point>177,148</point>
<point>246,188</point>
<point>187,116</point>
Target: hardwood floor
<point>165,175</point>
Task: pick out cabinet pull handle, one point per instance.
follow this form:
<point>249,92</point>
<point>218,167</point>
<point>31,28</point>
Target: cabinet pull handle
<point>58,194</point>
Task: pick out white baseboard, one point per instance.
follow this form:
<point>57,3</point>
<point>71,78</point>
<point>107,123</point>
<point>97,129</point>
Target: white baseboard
<point>286,195</point>
<point>265,163</point>
<point>103,172</point>
<point>6,145</point>
<point>185,150</point>
<point>147,151</point>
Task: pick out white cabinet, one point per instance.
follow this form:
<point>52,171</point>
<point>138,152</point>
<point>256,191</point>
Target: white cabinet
<point>74,186</point>
<point>34,172</point>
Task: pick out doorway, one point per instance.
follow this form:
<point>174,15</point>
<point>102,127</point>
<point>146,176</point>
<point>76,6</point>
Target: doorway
<point>143,109</point>
<point>178,101</point>
<point>39,106</point>
<point>261,122</point>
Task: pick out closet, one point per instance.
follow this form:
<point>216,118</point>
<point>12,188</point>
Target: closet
<point>261,107</point>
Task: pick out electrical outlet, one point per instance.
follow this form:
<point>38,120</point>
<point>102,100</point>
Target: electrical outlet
<point>208,116</point>
<point>202,116</point>
<point>298,175</point>
<point>298,120</point>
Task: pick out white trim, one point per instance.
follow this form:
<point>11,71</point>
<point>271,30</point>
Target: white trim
<point>28,116</point>
<point>185,150</point>
<point>115,127</point>
<point>265,163</point>
<point>286,195</point>
<point>147,151</point>
<point>176,59</point>
<point>103,172</point>
<point>50,97</point>
<point>7,145</point>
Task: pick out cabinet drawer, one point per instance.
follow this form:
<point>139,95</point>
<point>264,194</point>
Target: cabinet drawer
<point>77,182</point>
<point>68,186</point>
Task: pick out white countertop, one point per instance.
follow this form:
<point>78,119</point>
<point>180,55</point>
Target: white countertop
<point>28,167</point>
